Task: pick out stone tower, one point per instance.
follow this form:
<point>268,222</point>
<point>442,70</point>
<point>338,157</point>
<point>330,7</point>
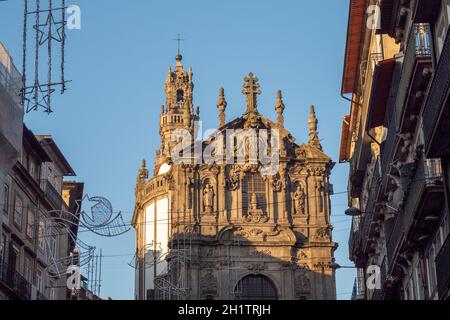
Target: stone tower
<point>231,228</point>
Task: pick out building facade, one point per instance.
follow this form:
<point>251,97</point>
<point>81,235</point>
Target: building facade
<point>396,141</point>
<point>32,244</point>
<point>231,226</point>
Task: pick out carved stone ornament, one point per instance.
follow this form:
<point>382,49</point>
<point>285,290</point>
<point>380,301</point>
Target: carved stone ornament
<point>302,284</point>
<point>255,215</point>
<point>209,284</point>
<point>232,181</point>
<point>256,267</point>
<point>277,183</point>
<point>323,233</point>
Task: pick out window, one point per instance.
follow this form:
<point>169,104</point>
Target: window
<point>32,169</point>
<point>30,223</point>
<point>39,280</point>
<point>3,244</point>
<point>419,282</point>
<point>18,211</point>
<point>180,95</point>
<point>253,184</point>
<point>5,199</point>
<point>41,233</point>
<point>52,290</point>
<point>53,246</point>
<point>28,269</point>
<point>441,30</point>
<point>255,287</point>
<point>431,272</point>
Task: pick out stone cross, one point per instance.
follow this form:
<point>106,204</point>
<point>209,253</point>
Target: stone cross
<point>251,90</point>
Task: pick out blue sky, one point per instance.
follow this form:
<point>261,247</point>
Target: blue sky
<point>108,120</point>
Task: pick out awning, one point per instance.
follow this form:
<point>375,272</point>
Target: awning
<point>356,22</point>
<point>380,93</point>
<point>343,152</point>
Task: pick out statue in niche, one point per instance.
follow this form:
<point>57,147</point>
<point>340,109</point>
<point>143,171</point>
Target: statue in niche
<point>208,198</point>
<point>300,200</point>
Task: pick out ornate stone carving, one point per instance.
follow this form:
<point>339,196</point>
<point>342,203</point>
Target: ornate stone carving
<point>255,215</point>
<point>232,181</point>
<point>256,267</point>
<point>323,233</point>
<point>260,253</point>
<point>302,284</point>
<point>277,183</point>
<point>209,283</point>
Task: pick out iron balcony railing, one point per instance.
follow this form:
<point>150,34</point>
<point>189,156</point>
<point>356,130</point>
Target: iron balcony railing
<point>418,49</point>
<point>15,281</point>
<point>443,268</point>
<point>428,173</point>
<point>52,194</point>
<point>437,95</point>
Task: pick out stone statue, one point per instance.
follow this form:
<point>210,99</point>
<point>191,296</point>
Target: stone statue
<point>208,198</point>
<point>300,200</point>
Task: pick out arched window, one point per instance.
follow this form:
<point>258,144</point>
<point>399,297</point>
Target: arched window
<point>255,287</point>
<point>253,184</point>
<point>180,95</point>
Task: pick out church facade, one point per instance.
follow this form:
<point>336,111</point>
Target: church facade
<point>219,220</point>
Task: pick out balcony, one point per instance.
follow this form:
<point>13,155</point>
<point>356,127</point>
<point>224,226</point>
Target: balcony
<point>424,199</point>
<point>442,268</point>
<point>15,282</point>
<point>415,77</point>
<point>52,194</point>
<point>436,112</point>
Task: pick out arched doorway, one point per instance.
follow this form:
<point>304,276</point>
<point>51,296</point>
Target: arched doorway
<point>255,287</point>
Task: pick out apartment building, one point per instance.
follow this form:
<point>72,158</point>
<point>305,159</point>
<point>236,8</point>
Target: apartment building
<point>32,244</point>
<point>396,140</point>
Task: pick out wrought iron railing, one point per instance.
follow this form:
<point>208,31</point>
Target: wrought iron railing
<point>52,194</point>
<point>15,281</point>
<point>419,46</point>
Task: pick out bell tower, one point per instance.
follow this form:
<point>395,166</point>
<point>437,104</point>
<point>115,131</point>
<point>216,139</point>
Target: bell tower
<point>178,113</point>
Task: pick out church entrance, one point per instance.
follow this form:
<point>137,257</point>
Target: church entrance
<point>255,287</point>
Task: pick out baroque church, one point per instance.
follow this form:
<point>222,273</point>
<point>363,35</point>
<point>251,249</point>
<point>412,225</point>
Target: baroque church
<point>230,230</point>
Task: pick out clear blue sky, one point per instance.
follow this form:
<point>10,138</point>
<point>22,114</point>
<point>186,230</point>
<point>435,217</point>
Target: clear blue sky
<point>108,120</point>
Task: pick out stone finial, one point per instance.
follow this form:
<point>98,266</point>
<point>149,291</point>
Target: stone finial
<point>313,133</point>
<point>222,105</point>
<point>143,172</point>
<point>279,108</point>
<point>251,90</point>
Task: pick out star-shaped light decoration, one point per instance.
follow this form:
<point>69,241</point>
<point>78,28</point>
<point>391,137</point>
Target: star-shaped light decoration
<point>46,30</point>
